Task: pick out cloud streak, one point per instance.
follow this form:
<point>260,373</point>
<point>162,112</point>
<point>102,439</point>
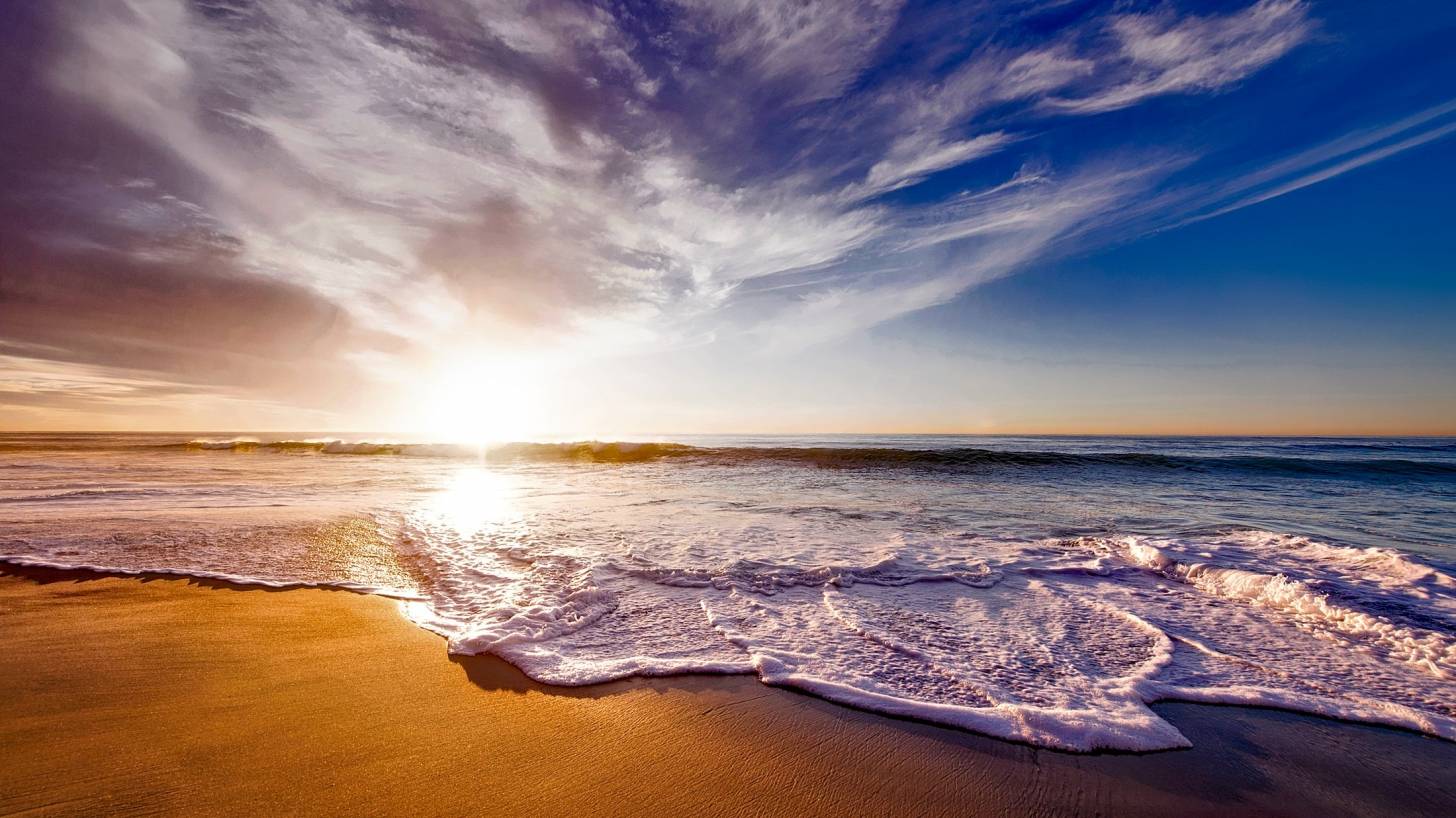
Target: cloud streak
<point>1160,53</point>
<point>1319,164</point>
<point>389,181</point>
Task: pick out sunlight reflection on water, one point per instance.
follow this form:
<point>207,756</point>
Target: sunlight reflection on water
<point>474,499</point>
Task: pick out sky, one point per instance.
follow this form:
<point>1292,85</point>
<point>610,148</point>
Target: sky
<point>464,218</point>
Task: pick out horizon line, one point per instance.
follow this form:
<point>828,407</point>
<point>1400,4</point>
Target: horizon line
<point>624,436</point>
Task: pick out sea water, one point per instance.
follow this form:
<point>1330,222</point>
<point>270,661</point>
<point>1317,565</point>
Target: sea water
<point>1039,589</point>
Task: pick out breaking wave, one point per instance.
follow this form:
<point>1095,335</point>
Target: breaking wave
<point>1335,460</point>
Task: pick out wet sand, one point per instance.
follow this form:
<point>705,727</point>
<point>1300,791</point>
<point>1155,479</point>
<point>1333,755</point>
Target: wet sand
<point>146,696</point>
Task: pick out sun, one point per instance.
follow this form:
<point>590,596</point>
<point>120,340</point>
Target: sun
<point>479,402</point>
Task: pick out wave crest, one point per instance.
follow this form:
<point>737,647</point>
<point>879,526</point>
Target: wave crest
<point>949,460</point>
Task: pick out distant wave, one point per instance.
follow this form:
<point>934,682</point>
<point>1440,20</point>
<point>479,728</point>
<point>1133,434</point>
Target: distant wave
<point>590,451</point>
<point>324,446</point>
<point>829,457</point>
<point>957,459</point>
<point>973,458</point>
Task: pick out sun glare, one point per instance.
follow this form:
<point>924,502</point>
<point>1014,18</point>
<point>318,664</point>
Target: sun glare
<point>473,500</point>
<point>479,403</point>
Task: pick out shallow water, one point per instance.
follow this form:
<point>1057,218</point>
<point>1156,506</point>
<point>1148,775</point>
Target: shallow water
<point>1042,589</point>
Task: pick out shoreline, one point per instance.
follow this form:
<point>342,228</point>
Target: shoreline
<point>46,573</point>
<point>129,694</point>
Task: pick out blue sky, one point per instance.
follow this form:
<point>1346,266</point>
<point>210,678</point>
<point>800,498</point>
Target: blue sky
<point>776,216</point>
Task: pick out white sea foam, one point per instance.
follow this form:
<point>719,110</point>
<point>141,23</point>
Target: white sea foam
<point>1063,652</point>
<point>223,444</point>
<point>871,589</point>
<point>1307,608</point>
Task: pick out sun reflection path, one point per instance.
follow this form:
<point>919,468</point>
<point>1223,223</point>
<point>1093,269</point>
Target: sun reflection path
<point>474,499</point>
<point>459,524</point>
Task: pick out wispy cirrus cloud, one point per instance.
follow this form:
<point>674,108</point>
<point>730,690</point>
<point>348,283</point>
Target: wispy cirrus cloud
<point>393,179</point>
<point>1323,162</point>
<point>813,49</point>
<point>1157,53</point>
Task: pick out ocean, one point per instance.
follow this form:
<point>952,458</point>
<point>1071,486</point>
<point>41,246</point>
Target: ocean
<point>1039,589</point>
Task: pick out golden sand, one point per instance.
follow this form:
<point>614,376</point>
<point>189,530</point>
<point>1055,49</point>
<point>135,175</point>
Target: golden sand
<point>127,696</point>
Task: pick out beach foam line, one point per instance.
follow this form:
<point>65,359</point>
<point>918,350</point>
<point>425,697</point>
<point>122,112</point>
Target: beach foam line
<point>1068,654</point>
<point>1367,711</point>
<point>1129,728</point>
<point>23,561</point>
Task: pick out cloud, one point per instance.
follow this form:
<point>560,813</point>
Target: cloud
<point>966,242</point>
<point>295,187</point>
<point>172,306</point>
<point>912,158</point>
<point>817,47</point>
<point>1340,168</point>
<point>1314,165</point>
<point>1160,53</point>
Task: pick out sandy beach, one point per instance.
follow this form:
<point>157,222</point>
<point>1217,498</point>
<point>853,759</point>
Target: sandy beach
<point>147,696</point>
